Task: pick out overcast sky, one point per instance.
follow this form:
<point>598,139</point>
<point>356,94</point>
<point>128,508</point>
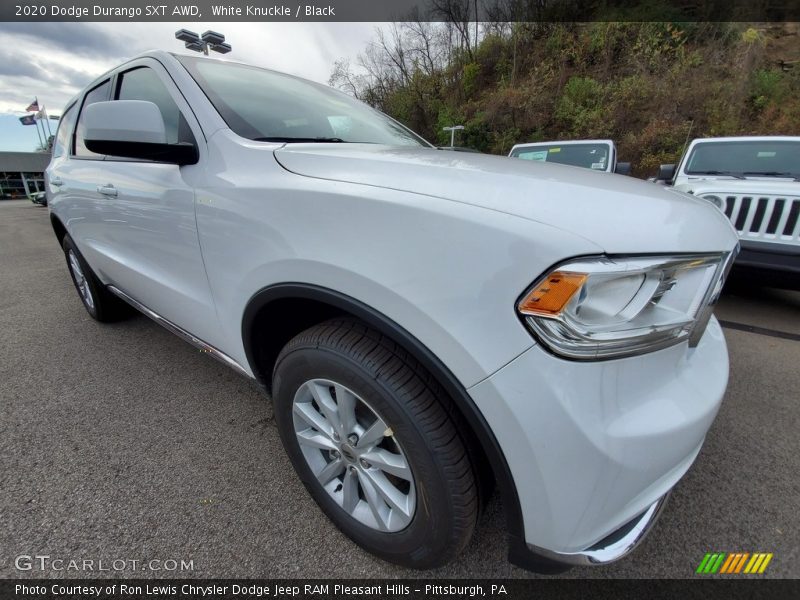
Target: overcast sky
<point>53,61</point>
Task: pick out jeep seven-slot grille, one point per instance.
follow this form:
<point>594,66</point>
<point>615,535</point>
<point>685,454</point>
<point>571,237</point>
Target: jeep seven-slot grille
<point>767,218</point>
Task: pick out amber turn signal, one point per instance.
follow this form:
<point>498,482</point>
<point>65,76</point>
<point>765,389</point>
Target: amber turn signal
<point>551,295</point>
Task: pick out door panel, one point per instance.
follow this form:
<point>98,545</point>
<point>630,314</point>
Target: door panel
<point>134,220</point>
<point>148,240</point>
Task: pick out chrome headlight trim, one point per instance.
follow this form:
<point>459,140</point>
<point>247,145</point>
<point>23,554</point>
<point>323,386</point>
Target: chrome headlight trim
<point>624,305</point>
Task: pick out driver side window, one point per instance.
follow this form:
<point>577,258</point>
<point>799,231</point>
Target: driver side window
<point>142,83</point>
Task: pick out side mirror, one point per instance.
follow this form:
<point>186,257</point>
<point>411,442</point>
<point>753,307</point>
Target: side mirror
<point>623,168</point>
<point>666,173</point>
<point>132,129</point>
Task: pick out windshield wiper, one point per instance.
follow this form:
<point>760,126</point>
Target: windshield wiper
<point>794,176</point>
<point>726,173</point>
<point>320,140</point>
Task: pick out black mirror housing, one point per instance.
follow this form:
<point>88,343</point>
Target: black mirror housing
<point>182,153</point>
<point>666,173</point>
<point>623,168</point>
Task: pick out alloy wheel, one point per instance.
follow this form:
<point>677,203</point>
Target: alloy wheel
<point>80,280</point>
<point>354,455</point>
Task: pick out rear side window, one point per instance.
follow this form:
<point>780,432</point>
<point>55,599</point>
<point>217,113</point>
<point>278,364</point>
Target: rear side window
<point>144,84</point>
<point>64,133</point>
<point>97,94</point>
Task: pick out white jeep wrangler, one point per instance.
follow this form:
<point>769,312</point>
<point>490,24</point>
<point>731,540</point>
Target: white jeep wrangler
<point>755,181</point>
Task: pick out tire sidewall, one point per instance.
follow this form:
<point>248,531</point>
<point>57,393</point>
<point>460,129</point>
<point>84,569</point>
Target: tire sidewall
<point>428,533</point>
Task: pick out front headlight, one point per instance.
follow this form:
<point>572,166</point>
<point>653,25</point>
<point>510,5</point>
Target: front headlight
<point>595,308</point>
<point>715,200</point>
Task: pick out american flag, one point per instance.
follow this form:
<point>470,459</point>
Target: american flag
<point>33,106</point>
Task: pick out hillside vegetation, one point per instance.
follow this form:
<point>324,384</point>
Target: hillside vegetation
<point>649,86</point>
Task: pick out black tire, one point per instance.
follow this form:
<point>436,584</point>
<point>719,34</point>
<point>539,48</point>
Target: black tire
<point>409,400</point>
<point>104,306</point>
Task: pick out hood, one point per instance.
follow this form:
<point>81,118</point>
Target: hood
<point>769,186</point>
<point>620,214</point>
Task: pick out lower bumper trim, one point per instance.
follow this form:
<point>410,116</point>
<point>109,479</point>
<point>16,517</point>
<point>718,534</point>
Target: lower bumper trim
<point>614,546</point>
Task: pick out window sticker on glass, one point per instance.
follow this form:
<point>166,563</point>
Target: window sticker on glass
<point>541,155</point>
<point>766,154</point>
<point>599,165</point>
<point>555,149</point>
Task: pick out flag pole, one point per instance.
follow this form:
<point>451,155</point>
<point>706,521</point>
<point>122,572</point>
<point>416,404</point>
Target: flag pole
<point>37,130</point>
<point>40,124</point>
<point>47,121</point>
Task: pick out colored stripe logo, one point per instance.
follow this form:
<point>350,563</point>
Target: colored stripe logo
<point>733,563</point>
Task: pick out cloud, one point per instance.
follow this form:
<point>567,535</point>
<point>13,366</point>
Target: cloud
<point>53,61</point>
<point>41,69</point>
<point>84,39</point>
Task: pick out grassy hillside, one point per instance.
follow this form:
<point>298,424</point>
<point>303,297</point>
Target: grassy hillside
<point>649,86</point>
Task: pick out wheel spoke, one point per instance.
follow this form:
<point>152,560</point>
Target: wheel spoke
<point>373,434</point>
<point>346,409</point>
<point>374,500</point>
<point>75,267</point>
<point>315,439</point>
<point>350,497</point>
<point>307,412</point>
<point>331,470</point>
<point>390,494</point>
<point>394,464</point>
<point>326,404</point>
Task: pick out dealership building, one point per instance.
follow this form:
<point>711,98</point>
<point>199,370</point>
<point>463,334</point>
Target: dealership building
<point>22,174</point>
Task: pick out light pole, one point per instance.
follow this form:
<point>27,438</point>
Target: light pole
<point>452,131</point>
<point>210,40</point>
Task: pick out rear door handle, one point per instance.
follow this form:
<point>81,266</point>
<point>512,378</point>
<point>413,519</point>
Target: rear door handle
<point>56,181</point>
<point>107,190</point>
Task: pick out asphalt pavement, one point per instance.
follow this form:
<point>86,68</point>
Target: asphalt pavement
<point>122,442</point>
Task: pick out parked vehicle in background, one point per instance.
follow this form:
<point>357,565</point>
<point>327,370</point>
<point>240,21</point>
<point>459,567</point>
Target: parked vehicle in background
<point>459,149</point>
<point>39,198</point>
<point>426,323</point>
<point>755,181</point>
<point>597,155</point>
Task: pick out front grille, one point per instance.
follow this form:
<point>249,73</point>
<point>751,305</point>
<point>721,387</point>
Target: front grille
<point>767,218</point>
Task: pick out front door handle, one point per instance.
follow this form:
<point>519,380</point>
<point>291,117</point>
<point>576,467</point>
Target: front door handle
<point>56,181</point>
<point>107,190</point>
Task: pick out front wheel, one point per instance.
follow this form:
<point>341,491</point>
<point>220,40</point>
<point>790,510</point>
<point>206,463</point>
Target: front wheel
<point>368,431</point>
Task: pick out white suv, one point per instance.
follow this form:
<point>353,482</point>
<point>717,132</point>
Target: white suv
<point>755,181</point>
<point>427,323</point>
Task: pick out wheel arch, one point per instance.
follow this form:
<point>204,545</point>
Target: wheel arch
<point>58,228</point>
<point>286,309</point>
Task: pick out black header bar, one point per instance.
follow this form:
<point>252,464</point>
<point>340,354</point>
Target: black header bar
<point>400,10</point>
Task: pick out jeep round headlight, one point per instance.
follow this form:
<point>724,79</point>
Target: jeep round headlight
<point>715,200</point>
<point>602,307</point>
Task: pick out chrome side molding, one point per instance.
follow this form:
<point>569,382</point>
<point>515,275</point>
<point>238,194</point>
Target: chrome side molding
<point>181,333</point>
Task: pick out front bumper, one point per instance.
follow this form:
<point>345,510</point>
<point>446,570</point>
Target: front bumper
<point>595,447</point>
<point>612,547</point>
<point>770,263</point>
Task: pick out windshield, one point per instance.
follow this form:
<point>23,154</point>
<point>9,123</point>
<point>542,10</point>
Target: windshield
<point>268,106</point>
<point>590,156</point>
<point>769,158</point>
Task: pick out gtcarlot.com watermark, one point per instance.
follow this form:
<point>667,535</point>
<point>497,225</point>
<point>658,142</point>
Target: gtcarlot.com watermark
<point>47,563</point>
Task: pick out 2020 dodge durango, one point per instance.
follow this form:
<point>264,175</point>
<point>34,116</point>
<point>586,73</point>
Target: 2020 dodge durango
<point>426,322</point>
